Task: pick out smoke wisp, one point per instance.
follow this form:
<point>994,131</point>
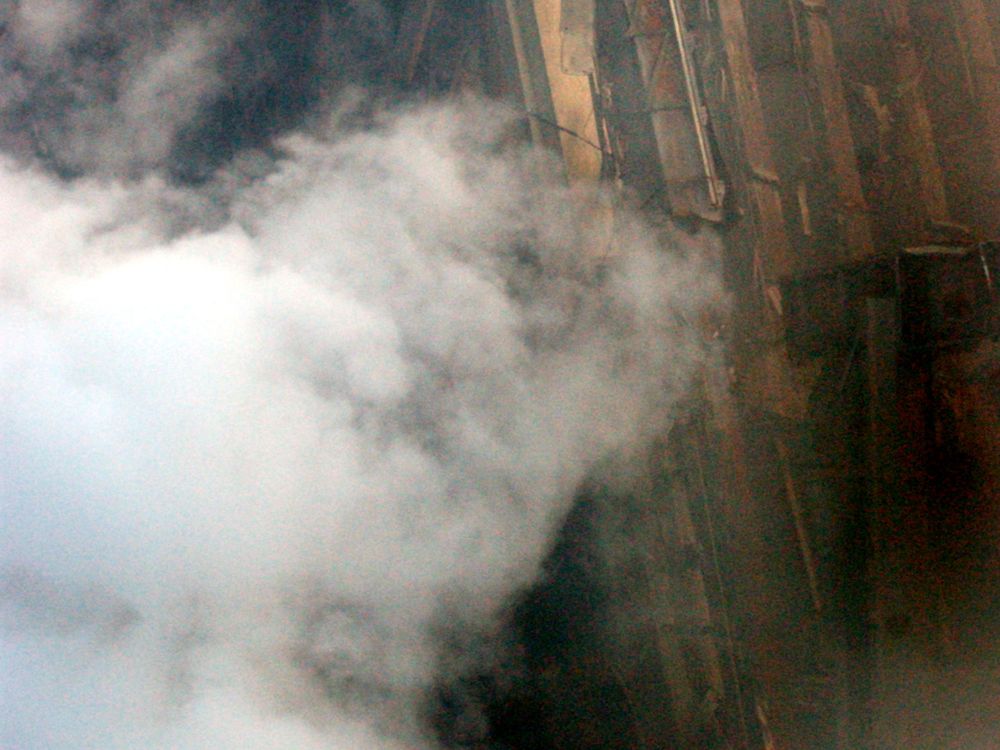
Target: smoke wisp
<point>122,88</point>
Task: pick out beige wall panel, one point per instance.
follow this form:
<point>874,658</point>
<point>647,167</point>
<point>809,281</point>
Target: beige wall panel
<point>571,99</point>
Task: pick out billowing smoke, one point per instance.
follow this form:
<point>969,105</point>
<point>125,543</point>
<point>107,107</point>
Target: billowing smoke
<point>252,468</point>
<point>124,86</point>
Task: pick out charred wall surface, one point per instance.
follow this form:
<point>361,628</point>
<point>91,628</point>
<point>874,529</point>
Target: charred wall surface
<point>829,578</point>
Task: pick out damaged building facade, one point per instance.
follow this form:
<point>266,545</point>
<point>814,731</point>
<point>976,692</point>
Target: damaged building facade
<point>232,337</point>
<point>822,529</point>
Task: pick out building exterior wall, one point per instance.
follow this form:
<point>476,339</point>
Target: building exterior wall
<point>842,558</point>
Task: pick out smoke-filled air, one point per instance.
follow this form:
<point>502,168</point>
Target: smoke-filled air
<point>267,441</point>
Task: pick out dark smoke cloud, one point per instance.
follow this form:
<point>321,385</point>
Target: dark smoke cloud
<point>122,87</point>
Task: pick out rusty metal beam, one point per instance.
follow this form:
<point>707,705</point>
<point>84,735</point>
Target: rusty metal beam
<point>851,205</point>
<point>738,93</point>
<point>674,103</point>
<point>733,99</point>
<point>699,115</point>
<point>798,518</point>
<point>918,134</point>
<point>976,42</point>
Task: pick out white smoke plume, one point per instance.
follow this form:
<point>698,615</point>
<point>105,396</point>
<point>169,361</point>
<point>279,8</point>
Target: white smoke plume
<point>247,472</point>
